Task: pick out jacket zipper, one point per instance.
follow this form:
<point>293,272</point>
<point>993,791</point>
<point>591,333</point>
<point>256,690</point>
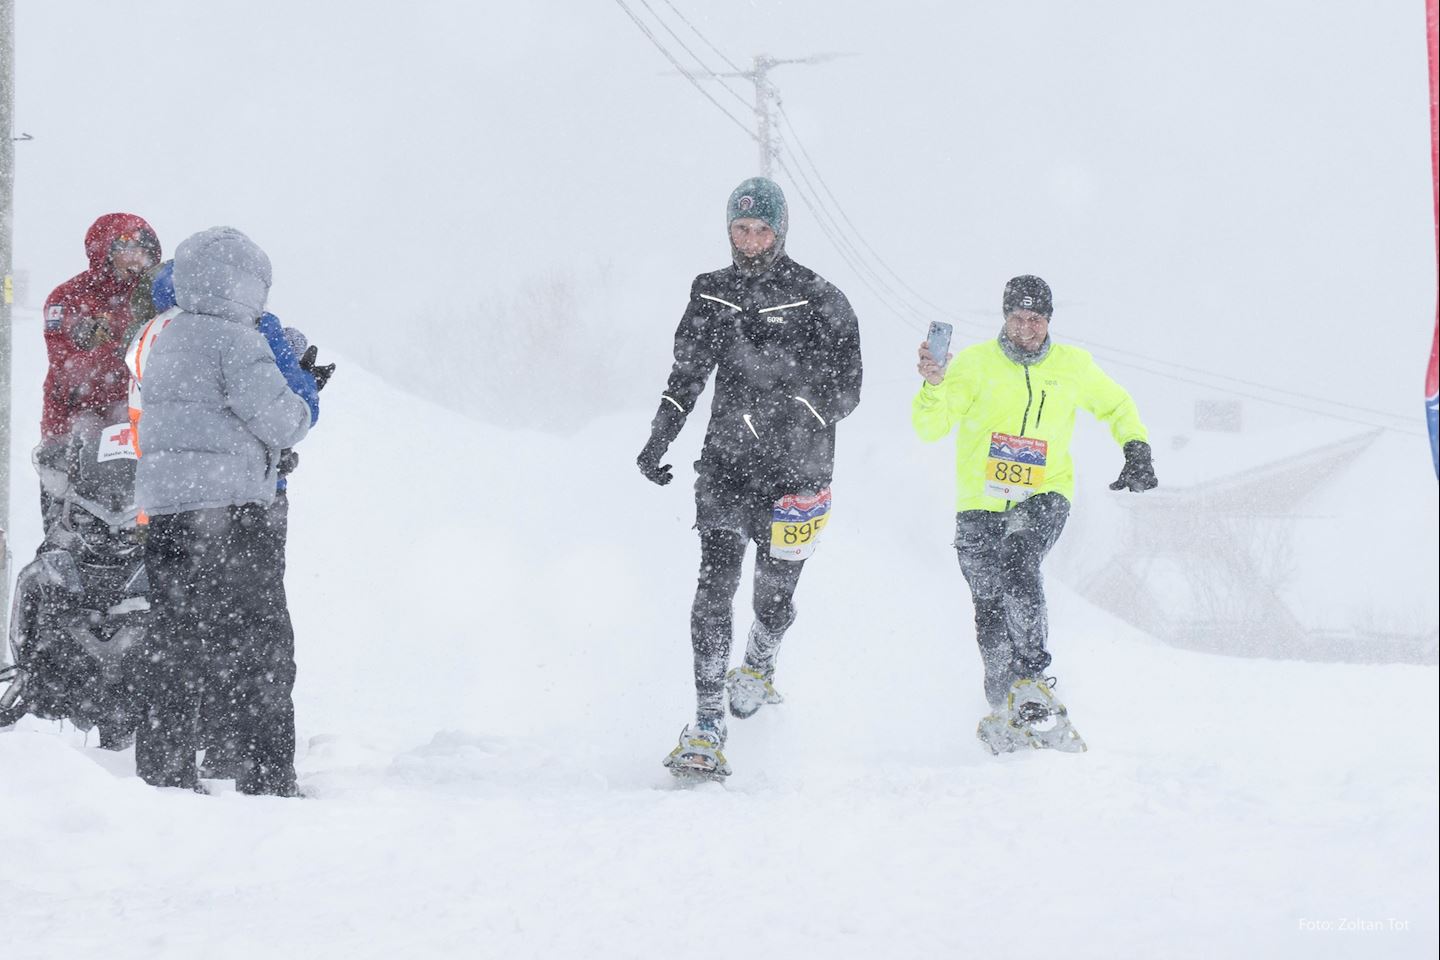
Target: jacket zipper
<point>1041,412</point>
<point>1029,399</point>
<point>1025,420</point>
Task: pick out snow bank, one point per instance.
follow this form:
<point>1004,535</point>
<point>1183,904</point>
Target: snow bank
<point>493,659</point>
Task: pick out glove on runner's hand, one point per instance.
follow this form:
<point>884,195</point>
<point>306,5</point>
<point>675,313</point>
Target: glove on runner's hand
<point>1138,474</point>
<point>321,374</point>
<point>650,466</point>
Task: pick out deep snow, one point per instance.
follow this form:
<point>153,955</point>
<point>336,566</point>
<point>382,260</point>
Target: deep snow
<point>493,660</point>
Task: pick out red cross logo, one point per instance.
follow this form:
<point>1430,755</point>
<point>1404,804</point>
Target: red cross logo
<point>122,438</point>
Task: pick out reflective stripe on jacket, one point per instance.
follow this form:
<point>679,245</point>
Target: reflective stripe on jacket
<point>985,392</point>
<point>784,347</point>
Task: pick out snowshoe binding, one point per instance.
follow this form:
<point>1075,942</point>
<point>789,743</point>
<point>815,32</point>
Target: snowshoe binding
<point>1031,717</point>
<point>749,690</point>
<point>699,754</point>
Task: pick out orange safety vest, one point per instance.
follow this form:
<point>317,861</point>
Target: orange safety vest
<point>135,359</point>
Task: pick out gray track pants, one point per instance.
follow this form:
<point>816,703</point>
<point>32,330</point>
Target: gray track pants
<point>1000,554</point>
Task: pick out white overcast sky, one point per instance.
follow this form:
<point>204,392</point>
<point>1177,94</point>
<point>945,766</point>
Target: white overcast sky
<point>1244,184</point>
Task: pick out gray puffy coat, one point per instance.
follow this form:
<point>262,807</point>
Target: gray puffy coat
<point>217,409</point>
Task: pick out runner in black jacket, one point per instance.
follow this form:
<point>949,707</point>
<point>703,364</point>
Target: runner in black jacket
<point>785,348</point>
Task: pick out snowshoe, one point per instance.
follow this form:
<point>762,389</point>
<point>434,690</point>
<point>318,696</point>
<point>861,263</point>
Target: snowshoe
<point>749,690</point>
<point>1036,710</point>
<point>698,755</point>
<point>1032,717</point>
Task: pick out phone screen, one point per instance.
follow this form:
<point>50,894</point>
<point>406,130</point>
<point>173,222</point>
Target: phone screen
<point>938,340</point>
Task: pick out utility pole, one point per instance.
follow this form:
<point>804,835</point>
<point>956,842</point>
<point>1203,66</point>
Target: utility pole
<point>765,97</point>
<point>7,292</point>
<point>764,126</point>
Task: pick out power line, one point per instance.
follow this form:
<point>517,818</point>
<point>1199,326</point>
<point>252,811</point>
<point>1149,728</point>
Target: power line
<point>1271,400</point>
<point>856,258</point>
<point>1240,380</point>
<point>840,247</point>
<point>671,57</point>
<point>693,55</point>
<point>833,232</point>
<point>916,313</point>
<point>1118,353</point>
<point>840,231</point>
<point>790,126</point>
<point>728,62</point>
<point>852,259</point>
<point>836,233</point>
<point>794,135</point>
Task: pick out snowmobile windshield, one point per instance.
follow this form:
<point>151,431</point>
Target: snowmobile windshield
<point>100,507</point>
<point>105,535</point>
<point>101,476</point>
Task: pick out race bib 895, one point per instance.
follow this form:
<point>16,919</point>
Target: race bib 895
<point>796,523</point>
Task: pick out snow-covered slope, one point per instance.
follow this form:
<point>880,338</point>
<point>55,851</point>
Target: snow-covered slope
<point>492,636</point>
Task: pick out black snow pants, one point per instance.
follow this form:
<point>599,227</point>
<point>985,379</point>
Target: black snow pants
<point>221,733</point>
<point>722,552</point>
<point>1000,554</point>
<point>220,621</point>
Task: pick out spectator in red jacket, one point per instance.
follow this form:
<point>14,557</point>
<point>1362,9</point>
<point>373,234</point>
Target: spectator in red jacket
<point>85,323</point>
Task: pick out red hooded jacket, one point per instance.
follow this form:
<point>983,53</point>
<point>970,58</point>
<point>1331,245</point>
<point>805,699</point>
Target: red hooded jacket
<point>96,378</point>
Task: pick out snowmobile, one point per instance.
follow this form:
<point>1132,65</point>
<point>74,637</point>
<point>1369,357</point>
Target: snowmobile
<point>80,611</point>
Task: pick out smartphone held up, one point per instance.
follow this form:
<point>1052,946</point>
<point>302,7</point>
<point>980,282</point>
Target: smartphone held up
<point>937,344</point>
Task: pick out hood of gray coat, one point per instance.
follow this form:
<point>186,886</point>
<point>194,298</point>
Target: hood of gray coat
<point>222,273</point>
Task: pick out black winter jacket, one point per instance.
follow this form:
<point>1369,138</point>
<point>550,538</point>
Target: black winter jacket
<point>785,348</point>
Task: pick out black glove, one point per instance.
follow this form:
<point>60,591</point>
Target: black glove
<point>1138,474</point>
<point>289,460</point>
<point>650,466</point>
<point>321,374</point>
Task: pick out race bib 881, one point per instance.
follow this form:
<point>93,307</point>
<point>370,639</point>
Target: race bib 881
<point>1015,467</point>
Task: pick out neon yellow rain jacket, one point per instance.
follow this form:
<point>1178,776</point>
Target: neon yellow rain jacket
<point>986,392</point>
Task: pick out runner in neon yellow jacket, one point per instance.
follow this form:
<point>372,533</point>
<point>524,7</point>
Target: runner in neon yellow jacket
<point>1013,401</point>
<point>984,392</point>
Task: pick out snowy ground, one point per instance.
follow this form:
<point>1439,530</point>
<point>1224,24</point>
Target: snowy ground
<point>493,659</point>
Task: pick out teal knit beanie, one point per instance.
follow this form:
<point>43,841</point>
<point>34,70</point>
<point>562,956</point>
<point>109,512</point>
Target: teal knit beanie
<point>762,199</point>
